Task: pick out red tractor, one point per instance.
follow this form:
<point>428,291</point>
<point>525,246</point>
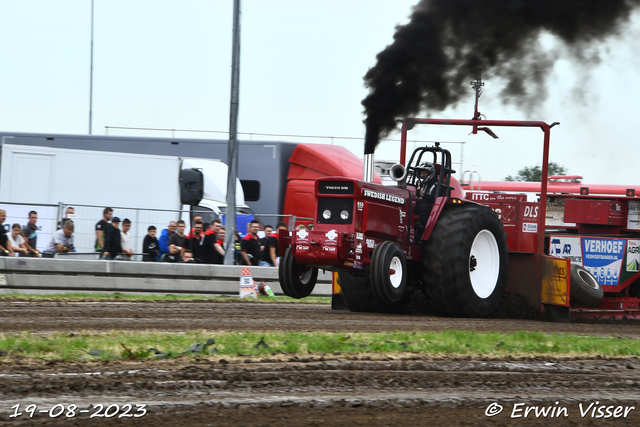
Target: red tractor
<point>386,242</point>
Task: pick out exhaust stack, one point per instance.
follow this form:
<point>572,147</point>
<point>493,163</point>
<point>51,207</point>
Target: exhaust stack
<point>367,175</point>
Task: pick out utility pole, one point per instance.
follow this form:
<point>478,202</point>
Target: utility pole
<point>91,77</point>
<point>232,157</point>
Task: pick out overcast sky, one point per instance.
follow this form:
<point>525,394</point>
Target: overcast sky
<point>167,64</point>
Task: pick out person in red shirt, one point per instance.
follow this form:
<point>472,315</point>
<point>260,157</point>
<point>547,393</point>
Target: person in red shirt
<point>196,218</point>
<point>250,245</point>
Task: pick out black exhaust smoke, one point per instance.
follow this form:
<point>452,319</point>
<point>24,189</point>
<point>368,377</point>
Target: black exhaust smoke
<point>433,57</point>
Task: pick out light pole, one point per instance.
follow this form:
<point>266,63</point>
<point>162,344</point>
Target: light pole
<point>232,157</point>
<point>91,77</point>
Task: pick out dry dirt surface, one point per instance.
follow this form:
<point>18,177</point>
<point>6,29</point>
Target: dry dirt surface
<point>317,391</point>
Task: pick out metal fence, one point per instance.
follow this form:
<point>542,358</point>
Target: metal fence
<point>18,213</point>
<point>86,217</point>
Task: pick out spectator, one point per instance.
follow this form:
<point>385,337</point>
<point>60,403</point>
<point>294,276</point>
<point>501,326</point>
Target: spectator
<point>187,255</point>
<point>216,225</point>
<point>208,250</point>
<point>150,245</point>
<point>102,227</point>
<point>219,246</point>
<point>125,239</point>
<point>4,245</point>
<point>163,241</point>
<point>16,241</point>
<point>112,240</point>
<point>197,241</point>
<point>62,240</point>
<point>301,227</point>
<point>238,249</point>
<point>310,226</point>
<point>214,247</point>
<point>69,213</point>
<point>270,252</point>
<point>250,245</point>
<point>178,243</point>
<point>196,218</point>
<point>268,229</point>
<point>30,232</point>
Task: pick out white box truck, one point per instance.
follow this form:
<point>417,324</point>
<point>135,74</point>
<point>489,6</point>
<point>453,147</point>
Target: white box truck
<point>150,189</point>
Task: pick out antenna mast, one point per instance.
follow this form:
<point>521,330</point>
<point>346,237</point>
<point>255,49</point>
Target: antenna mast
<point>477,86</point>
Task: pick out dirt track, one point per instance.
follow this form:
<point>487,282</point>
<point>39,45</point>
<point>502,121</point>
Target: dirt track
<point>327,391</point>
<point>181,316</point>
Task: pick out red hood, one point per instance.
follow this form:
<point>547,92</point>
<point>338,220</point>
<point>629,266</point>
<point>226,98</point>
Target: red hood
<point>312,161</point>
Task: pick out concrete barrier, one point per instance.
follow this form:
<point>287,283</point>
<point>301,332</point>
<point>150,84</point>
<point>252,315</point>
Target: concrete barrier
<point>64,275</point>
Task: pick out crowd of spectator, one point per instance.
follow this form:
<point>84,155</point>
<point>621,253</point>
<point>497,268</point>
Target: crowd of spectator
<point>204,243</point>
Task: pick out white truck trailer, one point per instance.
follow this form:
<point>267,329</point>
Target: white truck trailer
<point>148,189</point>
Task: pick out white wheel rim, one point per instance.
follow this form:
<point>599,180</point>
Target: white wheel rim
<point>485,254</point>
<point>395,272</point>
<point>589,279</point>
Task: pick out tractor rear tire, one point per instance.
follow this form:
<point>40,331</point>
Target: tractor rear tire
<point>465,262</point>
<point>388,272</point>
<point>297,281</point>
<point>357,292</point>
<point>584,287</point>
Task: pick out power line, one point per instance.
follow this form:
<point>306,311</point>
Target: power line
<point>279,135</point>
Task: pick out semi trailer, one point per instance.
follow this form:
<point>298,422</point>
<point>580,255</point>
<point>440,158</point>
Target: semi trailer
<point>277,178</point>
<point>158,187</point>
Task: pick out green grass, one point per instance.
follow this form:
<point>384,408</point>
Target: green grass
<point>135,345</point>
<point>85,296</point>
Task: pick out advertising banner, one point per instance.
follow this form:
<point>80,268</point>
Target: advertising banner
<point>603,257</point>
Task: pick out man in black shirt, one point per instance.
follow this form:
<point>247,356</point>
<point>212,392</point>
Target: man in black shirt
<point>270,251</point>
<point>178,242</point>
<point>112,240</point>
<point>250,245</point>
<point>30,232</point>
<point>150,244</point>
<point>101,229</point>
<point>196,242</point>
<point>3,235</point>
<point>268,229</point>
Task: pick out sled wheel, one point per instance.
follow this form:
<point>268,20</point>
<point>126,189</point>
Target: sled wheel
<point>357,292</point>
<point>299,280</point>
<point>388,272</point>
<point>465,262</point>
<point>584,287</point>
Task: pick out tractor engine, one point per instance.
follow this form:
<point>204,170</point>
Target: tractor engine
<point>352,218</point>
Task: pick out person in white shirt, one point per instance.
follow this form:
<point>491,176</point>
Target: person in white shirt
<point>125,239</point>
<point>17,241</point>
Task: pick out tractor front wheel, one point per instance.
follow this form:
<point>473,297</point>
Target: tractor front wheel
<point>297,281</point>
<point>388,272</point>
<point>465,262</point>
